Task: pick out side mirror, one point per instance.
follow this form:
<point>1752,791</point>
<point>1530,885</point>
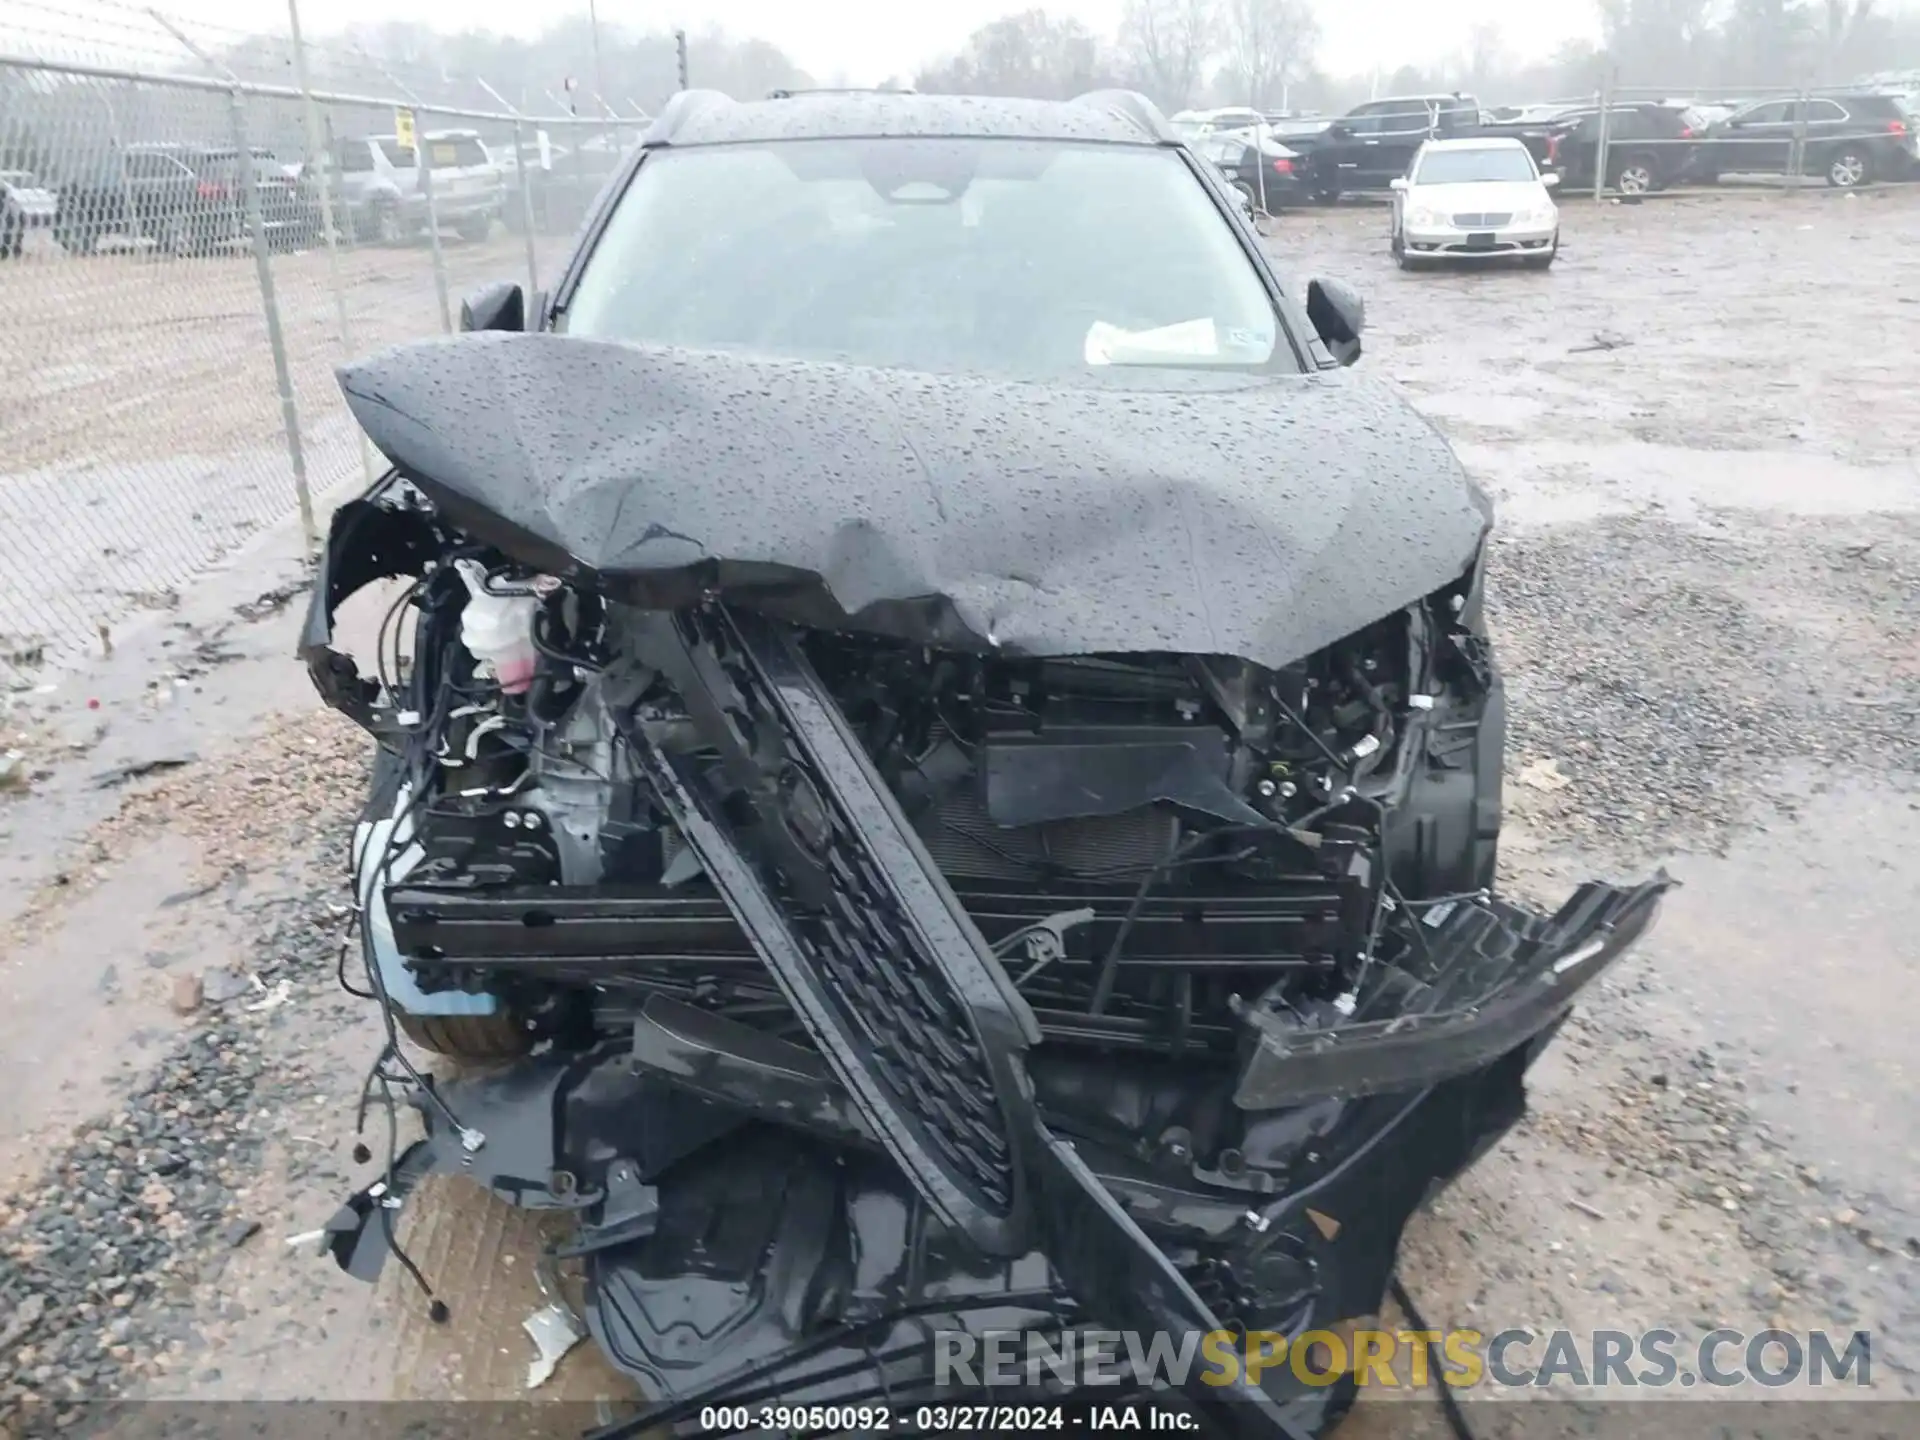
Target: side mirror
<point>499,306</point>
<point>1398,182</point>
<point>1551,179</point>
<point>1337,314</point>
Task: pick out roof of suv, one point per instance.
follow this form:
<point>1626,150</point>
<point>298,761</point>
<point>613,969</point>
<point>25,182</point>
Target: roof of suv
<point>1477,142</point>
<point>706,117</point>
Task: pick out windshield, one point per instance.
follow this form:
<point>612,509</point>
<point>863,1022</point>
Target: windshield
<point>1475,167</point>
<point>973,255</point>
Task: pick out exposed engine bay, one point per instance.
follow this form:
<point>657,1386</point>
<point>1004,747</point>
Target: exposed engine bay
<point>1249,912</point>
<point>855,979</point>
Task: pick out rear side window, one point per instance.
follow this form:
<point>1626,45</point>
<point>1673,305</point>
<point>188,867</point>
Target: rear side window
<point>398,154</point>
<point>153,167</point>
<point>455,152</point>
<point>354,157</point>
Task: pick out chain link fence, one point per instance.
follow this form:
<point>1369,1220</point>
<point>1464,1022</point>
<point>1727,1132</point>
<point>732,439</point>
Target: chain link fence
<point>183,262</point>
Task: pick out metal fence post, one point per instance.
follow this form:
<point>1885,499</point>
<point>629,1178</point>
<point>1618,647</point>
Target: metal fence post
<point>320,160</point>
<point>129,215</point>
<point>276,340</point>
<point>423,159</point>
<point>1797,158</point>
<point>526,187</point>
<point>526,204</point>
<point>1606,128</point>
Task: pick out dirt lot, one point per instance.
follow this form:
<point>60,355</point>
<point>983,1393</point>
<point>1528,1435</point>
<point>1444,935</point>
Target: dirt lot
<point>1707,582</point>
<point>142,433</point>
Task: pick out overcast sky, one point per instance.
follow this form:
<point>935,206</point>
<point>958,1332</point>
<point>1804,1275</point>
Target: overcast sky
<point>872,39</point>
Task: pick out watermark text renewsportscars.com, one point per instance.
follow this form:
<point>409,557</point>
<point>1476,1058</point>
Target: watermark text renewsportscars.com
<point>1461,1359</point>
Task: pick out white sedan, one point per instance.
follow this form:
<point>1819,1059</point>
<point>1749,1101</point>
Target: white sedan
<point>1474,200</point>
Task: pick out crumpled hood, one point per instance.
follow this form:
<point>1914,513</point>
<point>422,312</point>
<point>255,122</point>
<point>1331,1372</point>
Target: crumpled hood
<point>1254,516</point>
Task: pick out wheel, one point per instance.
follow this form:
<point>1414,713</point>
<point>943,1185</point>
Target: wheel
<point>386,226</point>
<point>174,237</point>
<point>476,1038</point>
<point>1327,197</point>
<point>1847,167</point>
<point>474,229</point>
<point>1635,176</point>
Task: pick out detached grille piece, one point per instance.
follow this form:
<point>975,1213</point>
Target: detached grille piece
<point>824,874</point>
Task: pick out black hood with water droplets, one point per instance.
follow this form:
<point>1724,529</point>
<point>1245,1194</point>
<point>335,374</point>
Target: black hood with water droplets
<point>1262,517</point>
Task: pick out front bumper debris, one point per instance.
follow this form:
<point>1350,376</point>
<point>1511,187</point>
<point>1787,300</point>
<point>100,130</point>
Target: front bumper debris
<point>902,1176</point>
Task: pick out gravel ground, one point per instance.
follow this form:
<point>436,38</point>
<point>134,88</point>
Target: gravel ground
<point>142,435</point>
<point>1704,588</point>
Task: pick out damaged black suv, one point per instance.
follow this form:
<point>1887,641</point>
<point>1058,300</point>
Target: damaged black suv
<point>947,767</point>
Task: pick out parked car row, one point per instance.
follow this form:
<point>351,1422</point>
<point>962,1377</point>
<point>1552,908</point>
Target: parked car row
<point>184,199</point>
<point>1847,137</point>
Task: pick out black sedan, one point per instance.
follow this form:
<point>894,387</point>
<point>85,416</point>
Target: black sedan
<point>1266,173</point>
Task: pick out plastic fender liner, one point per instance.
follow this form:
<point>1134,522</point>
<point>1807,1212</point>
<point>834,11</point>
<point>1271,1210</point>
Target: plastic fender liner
<point>366,541</point>
<point>1505,975</point>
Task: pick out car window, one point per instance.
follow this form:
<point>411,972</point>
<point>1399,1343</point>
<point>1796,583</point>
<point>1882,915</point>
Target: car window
<point>1408,117</point>
<point>1824,112</point>
<point>455,152</point>
<point>1774,112</point>
<point>1223,150</point>
<point>1019,257</point>
<point>1475,166</point>
<point>398,154</point>
<point>224,165</point>
<point>146,166</point>
<point>354,157</point>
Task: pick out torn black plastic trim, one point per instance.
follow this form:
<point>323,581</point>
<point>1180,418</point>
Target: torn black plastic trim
<point>367,540</point>
<point>1498,977</point>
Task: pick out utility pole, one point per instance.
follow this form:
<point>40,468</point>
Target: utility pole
<point>593,24</point>
<point>680,53</point>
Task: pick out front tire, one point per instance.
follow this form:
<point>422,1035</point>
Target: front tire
<point>475,229</point>
<point>1848,168</point>
<point>1635,176</point>
<point>471,1039</point>
<point>383,224</point>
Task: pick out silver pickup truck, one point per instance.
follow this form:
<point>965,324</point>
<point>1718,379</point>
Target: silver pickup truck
<point>378,186</point>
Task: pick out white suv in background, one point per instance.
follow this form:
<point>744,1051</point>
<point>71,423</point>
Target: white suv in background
<point>379,187</point>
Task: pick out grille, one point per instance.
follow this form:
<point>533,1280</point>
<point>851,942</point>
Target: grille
<point>1483,221</point>
<point>890,994</point>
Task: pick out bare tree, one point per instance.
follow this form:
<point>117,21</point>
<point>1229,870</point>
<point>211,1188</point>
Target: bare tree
<point>1486,57</point>
<point>1166,44</point>
<point>1028,54</point>
<point>1269,43</point>
<point>1847,24</point>
<point>1657,41</point>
